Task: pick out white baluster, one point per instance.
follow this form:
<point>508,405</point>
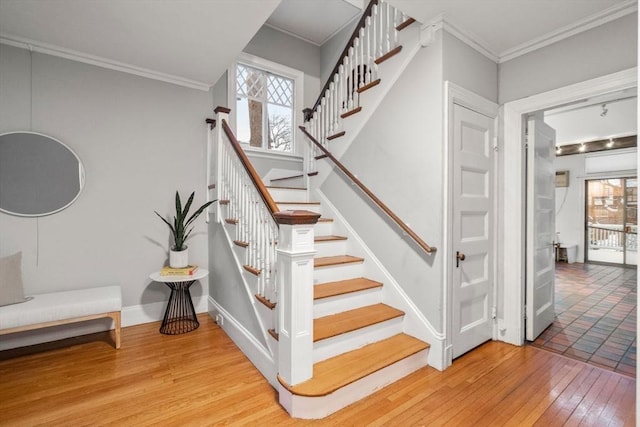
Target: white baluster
<point>387,27</point>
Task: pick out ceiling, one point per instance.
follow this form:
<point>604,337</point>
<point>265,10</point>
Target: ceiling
<point>312,20</point>
<point>187,41</point>
<point>182,40</point>
<point>504,28</point>
<point>613,116</point>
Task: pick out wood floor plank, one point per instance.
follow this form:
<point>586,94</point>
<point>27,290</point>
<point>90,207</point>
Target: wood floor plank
<point>201,378</point>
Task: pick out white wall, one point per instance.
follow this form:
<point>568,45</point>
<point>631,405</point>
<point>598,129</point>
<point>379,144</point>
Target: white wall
<point>570,203</point>
<point>600,51</point>
<point>399,156</point>
<point>140,140</point>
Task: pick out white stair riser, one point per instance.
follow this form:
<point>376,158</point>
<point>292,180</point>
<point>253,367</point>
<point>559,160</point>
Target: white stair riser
<point>323,228</point>
<point>350,341</point>
<point>320,407</point>
<point>290,182</point>
<point>334,247</point>
<point>298,207</point>
<point>288,194</point>
<point>337,272</point>
<point>339,303</point>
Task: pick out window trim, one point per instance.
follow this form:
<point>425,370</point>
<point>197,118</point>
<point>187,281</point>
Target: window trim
<point>273,67</point>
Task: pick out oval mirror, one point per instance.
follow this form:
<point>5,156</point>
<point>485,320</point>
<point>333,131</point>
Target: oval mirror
<point>39,175</point>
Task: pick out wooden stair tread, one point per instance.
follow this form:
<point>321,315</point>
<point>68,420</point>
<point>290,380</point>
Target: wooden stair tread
<point>285,178</point>
<point>325,219</point>
<point>388,55</point>
<point>337,372</point>
<point>335,135</point>
<point>368,86</point>
<point>327,261</point>
<point>297,203</point>
<point>278,187</point>
<point>351,320</point>
<point>351,112</point>
<point>341,287</point>
<point>321,239</point>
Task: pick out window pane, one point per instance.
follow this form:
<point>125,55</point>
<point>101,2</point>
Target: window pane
<point>250,82</point>
<point>280,90</point>
<point>280,127</point>
<point>249,121</point>
<point>243,132</point>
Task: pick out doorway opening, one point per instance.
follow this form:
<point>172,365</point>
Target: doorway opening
<point>593,301</point>
<point>612,221</point>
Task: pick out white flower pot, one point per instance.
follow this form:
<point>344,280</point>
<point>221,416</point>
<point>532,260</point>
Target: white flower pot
<point>179,259</point>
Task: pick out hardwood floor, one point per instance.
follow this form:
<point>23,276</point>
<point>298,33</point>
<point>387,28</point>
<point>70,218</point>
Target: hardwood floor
<point>201,379</point>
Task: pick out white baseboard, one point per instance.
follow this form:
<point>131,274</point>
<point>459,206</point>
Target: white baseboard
<point>131,315</point>
<point>153,312</point>
<point>253,349</point>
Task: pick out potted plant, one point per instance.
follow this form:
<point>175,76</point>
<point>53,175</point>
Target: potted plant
<point>181,229</point>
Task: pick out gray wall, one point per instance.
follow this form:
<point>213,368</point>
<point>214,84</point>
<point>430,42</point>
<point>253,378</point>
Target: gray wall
<point>602,50</point>
<point>140,140</point>
<point>468,68</point>
<point>332,48</point>
<point>399,156</point>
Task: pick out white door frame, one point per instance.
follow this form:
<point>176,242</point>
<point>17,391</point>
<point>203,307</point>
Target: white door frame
<point>458,95</point>
<point>511,326</point>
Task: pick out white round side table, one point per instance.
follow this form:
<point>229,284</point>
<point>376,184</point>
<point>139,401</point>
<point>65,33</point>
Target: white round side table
<point>180,315</point>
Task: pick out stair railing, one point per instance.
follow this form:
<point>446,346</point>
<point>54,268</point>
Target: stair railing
<point>375,36</point>
<point>249,206</point>
<point>276,241</point>
<point>405,228</point>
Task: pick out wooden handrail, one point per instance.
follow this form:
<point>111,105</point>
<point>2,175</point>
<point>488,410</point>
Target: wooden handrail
<point>345,52</point>
<point>389,212</point>
<point>264,193</point>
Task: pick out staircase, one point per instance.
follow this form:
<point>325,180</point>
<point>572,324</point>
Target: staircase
<point>358,341</point>
<point>365,332</point>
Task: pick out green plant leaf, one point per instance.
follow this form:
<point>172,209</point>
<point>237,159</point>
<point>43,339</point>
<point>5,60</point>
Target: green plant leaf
<point>180,228</point>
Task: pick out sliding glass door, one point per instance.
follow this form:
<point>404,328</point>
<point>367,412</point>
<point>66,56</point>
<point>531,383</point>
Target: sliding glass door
<point>612,220</point>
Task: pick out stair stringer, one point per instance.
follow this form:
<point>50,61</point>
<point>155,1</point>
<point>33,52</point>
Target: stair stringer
<point>264,358</point>
<point>415,323</point>
<point>389,72</point>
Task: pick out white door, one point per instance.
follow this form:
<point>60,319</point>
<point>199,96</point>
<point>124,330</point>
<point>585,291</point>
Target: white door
<point>541,227</point>
<point>472,199</point>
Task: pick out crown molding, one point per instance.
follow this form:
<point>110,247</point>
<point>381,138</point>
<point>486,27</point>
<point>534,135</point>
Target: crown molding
<point>73,55</point>
<point>607,15</point>
<point>467,37</point>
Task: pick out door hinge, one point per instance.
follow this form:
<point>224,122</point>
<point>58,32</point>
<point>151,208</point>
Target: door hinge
<point>495,144</point>
<point>525,312</point>
<point>494,312</point>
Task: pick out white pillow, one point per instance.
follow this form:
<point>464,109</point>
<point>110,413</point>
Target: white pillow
<point>11,288</point>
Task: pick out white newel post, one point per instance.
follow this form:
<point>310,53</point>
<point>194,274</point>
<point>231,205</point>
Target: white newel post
<point>295,295</point>
<point>222,113</point>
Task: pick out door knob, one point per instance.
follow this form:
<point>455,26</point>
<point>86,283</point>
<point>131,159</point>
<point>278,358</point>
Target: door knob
<point>459,257</point>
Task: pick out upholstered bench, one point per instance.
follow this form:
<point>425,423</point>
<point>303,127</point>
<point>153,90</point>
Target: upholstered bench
<point>59,308</point>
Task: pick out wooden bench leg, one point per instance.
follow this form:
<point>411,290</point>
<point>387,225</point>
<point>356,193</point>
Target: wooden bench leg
<point>116,316</point>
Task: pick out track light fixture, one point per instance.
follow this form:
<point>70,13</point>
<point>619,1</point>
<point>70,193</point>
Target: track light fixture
<point>610,143</point>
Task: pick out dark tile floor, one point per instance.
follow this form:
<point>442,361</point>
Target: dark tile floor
<point>595,316</point>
